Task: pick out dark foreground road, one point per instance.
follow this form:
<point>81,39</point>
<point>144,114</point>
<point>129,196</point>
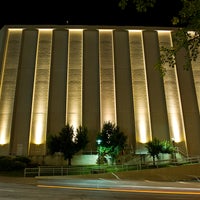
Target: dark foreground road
<point>60,188</point>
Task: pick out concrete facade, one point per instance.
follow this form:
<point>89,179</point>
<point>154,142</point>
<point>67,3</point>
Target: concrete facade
<point>88,75</point>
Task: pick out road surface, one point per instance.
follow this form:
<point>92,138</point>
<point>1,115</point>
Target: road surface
<point>60,188</point>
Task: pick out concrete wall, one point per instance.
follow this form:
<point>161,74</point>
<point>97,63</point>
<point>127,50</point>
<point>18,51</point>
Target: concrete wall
<point>117,81</point>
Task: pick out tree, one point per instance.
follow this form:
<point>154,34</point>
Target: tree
<point>67,142</point>
<point>154,147</point>
<point>187,34</point>
<point>141,6</point>
<point>81,139</point>
<point>113,141</point>
<point>167,147</point>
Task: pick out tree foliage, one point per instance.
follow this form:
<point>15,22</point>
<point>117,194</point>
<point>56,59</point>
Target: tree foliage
<point>141,5</point>
<point>67,142</point>
<point>187,34</point>
<point>155,147</point>
<point>167,147</point>
<point>113,141</point>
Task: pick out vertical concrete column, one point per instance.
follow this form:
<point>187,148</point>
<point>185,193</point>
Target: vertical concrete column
<point>58,81</point>
<point>140,90</point>
<point>124,95</point>
<point>8,84</point>
<point>107,77</point>
<point>157,104</point>
<point>189,101</point>
<point>24,92</point>
<point>173,96</point>
<point>39,114</point>
<point>91,96</point>
<point>74,78</point>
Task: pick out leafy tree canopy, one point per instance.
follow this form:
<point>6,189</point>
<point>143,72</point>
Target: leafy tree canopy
<point>68,142</point>
<point>141,5</point>
<point>155,147</point>
<point>113,140</point>
<point>167,147</point>
<point>187,35</point>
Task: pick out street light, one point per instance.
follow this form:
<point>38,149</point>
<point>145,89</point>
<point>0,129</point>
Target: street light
<point>99,153</point>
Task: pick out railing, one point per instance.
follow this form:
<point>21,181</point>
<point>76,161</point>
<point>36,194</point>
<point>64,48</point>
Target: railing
<point>63,171</point>
<point>195,159</point>
<point>55,171</point>
<point>181,152</point>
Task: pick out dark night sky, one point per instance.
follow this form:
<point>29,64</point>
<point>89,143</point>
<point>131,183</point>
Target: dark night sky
<point>84,12</point>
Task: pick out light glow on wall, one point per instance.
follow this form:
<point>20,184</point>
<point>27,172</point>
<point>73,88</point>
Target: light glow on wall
<point>107,77</point>
<point>8,83</point>
<point>139,86</point>
<point>39,113</point>
<point>172,93</point>
<point>196,73</point>
<point>74,78</point>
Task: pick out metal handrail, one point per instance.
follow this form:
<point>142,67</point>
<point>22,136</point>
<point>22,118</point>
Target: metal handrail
<point>61,171</point>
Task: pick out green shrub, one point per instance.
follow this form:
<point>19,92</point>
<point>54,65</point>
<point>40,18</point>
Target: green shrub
<point>6,164</point>
<point>9,163</point>
<point>18,165</point>
<point>23,159</point>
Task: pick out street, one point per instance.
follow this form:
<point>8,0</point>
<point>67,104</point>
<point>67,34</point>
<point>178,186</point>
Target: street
<point>96,189</point>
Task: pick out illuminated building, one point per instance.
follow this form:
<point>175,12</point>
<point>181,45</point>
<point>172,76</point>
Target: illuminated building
<point>88,75</point>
